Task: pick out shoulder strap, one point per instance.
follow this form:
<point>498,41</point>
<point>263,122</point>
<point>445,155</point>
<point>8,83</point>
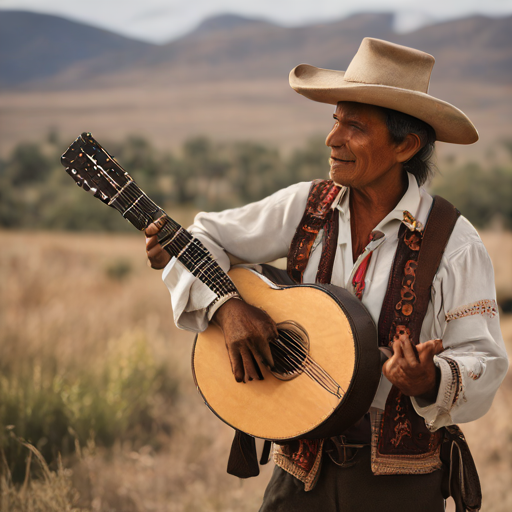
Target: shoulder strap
<point>416,261</point>
<point>403,433</point>
<point>317,216</point>
<point>441,221</point>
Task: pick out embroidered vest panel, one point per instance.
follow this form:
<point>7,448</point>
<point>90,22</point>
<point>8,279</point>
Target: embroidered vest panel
<point>317,216</point>
<point>403,431</point>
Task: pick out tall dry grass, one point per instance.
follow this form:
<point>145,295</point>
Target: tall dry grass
<point>76,311</point>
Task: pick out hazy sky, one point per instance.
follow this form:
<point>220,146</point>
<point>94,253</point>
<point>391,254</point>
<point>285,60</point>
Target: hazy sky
<point>162,20</point>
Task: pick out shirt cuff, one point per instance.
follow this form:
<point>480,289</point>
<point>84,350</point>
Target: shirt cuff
<point>190,297</point>
<point>437,414</point>
<point>216,304</point>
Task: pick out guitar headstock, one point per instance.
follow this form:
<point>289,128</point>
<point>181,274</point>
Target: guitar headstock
<point>98,172</point>
<point>94,169</point>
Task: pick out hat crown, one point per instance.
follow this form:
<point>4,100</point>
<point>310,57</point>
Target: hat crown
<point>380,62</point>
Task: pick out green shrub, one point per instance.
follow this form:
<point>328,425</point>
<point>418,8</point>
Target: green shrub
<point>36,193</point>
<point>113,402</point>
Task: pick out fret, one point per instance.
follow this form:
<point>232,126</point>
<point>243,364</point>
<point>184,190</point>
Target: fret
<point>166,238</point>
<point>120,192</point>
<point>133,205</point>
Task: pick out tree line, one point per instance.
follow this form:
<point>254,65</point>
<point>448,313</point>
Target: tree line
<point>36,193</point>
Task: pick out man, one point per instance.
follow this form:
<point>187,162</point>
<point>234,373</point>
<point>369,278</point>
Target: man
<point>385,125</point>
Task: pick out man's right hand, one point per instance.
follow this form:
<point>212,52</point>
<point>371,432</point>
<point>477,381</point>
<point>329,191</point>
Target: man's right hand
<point>247,333</point>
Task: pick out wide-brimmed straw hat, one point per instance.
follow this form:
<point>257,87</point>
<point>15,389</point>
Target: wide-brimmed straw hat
<point>387,75</point>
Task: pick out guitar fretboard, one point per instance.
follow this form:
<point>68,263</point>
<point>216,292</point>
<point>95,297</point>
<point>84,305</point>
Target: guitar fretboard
<point>100,174</point>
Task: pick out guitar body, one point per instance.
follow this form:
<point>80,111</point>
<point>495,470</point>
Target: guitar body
<point>343,361</point>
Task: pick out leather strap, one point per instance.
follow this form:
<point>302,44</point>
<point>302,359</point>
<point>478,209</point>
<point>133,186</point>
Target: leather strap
<point>403,432</point>
<point>440,224</point>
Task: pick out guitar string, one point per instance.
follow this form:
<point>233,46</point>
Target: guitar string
<point>331,389</point>
<point>296,343</point>
<point>318,371</point>
<point>318,376</point>
<point>315,372</point>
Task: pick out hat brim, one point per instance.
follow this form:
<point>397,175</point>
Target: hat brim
<point>329,86</point>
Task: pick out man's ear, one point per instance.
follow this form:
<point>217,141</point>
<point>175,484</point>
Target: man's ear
<point>408,147</point>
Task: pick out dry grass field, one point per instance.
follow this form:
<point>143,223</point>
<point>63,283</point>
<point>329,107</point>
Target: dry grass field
<point>74,303</point>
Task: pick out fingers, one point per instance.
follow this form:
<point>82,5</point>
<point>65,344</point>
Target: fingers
<point>261,346</point>
<point>157,256</point>
<point>410,352</point>
<point>151,242</point>
<point>397,350</point>
<point>237,365</point>
<point>153,229</point>
<point>243,364</point>
<point>265,352</point>
<point>427,351</point>
<point>156,226</point>
<point>250,365</point>
<point>438,346</point>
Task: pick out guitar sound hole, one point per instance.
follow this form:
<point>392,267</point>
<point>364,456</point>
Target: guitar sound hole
<point>289,351</point>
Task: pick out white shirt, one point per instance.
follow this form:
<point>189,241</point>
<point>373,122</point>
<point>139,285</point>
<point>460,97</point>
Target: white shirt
<point>462,310</point>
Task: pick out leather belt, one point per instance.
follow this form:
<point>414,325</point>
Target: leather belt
<point>342,452</point>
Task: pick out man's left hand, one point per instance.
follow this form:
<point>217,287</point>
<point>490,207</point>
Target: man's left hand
<point>411,368</point>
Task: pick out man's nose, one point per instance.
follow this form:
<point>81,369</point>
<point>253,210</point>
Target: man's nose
<point>336,137</point>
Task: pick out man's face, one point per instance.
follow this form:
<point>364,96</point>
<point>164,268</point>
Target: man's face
<point>361,148</point>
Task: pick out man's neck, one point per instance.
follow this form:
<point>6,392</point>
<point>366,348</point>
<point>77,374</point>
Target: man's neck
<point>370,205</point>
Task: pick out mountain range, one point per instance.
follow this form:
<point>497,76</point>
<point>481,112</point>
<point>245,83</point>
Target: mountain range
<point>48,63</point>
<point>44,50</point>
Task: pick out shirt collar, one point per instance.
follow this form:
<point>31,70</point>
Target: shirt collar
<point>409,202</point>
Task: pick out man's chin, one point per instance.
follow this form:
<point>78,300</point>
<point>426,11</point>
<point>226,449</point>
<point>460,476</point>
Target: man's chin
<point>337,180</point>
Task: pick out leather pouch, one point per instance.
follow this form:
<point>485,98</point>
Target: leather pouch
<point>460,478</point>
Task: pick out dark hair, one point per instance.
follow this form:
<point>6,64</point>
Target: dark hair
<point>399,126</point>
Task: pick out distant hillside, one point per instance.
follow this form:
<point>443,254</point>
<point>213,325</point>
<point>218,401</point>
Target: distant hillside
<point>226,22</point>
<point>475,48</point>
<point>38,49</point>
<point>35,46</point>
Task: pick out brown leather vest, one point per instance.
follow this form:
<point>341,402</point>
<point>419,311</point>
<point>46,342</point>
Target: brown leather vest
<point>402,431</point>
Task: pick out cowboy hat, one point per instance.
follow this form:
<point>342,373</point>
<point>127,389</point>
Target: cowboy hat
<point>391,76</point>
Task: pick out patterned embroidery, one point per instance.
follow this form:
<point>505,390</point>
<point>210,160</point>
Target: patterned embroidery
<point>308,474</point>
<point>456,379</point>
<point>407,295</point>
<point>399,465</point>
<point>473,375</point>
<point>317,216</point>
<point>482,307</point>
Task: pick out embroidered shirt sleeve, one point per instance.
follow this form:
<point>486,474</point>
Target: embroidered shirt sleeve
<point>486,307</point>
<point>464,314</point>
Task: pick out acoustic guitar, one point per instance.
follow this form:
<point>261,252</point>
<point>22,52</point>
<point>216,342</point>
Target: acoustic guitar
<point>326,361</point>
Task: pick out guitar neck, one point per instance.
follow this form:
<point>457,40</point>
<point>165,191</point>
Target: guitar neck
<point>178,242</point>
<point>109,182</point>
